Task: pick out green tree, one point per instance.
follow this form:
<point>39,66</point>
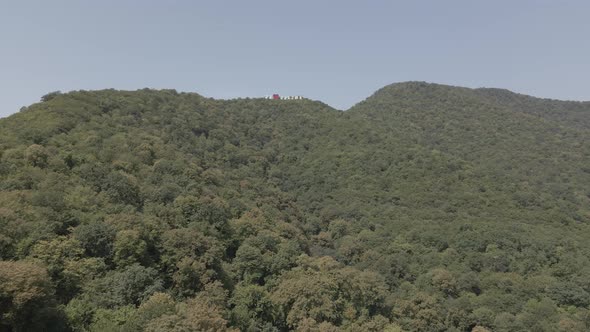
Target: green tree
<point>97,238</point>
<point>193,315</point>
<point>37,156</point>
<point>130,248</point>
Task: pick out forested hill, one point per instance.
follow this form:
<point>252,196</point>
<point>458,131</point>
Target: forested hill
<point>423,208</point>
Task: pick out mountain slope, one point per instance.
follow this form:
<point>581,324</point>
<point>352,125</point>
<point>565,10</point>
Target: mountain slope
<point>423,208</point>
<point>514,148</point>
<point>572,114</point>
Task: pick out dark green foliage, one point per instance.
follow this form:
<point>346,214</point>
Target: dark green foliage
<point>423,208</point>
<point>50,95</point>
<point>130,286</point>
<point>122,188</point>
<point>96,238</point>
<point>569,293</point>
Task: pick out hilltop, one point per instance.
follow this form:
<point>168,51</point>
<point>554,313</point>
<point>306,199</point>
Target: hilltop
<point>425,207</point>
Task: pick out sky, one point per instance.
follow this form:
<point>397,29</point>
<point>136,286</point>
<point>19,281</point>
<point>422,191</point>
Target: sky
<point>338,52</point>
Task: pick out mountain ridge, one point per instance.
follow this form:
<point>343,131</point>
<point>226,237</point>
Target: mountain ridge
<point>484,90</point>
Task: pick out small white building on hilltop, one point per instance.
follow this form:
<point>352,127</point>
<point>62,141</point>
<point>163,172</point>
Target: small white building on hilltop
<point>277,97</point>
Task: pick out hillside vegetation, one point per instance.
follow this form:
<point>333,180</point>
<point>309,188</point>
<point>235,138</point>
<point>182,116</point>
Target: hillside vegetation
<point>423,208</point>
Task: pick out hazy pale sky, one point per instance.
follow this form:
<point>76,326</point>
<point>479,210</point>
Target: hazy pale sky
<point>335,51</point>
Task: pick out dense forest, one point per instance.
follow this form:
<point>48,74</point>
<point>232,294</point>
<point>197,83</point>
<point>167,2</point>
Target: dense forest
<point>424,207</point>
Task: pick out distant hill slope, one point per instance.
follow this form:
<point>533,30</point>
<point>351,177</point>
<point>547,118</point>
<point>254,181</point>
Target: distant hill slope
<point>424,207</point>
<point>573,114</point>
<point>502,147</point>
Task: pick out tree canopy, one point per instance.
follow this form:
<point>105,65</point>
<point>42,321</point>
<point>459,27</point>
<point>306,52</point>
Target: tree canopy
<point>423,208</point>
